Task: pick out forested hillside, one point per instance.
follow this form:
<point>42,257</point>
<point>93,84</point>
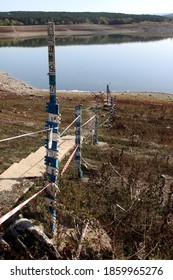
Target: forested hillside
<point>37,18</point>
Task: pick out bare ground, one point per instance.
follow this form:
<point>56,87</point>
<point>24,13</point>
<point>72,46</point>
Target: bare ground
<point>164,29</point>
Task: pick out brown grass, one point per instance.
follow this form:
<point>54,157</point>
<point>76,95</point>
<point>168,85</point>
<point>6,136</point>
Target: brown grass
<point>127,171</point>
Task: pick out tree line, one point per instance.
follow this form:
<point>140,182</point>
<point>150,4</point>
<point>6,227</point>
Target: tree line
<point>41,18</point>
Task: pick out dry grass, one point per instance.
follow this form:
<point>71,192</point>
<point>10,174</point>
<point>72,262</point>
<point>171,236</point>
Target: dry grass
<point>128,169</point>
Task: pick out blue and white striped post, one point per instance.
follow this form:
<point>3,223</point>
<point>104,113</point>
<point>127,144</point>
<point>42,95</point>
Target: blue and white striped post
<point>115,106</point>
<point>95,136</point>
<point>78,140</point>
<point>108,95</point>
<point>51,143</point>
<point>111,111</point>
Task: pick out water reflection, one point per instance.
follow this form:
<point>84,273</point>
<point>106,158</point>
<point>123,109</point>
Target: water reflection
<point>79,40</point>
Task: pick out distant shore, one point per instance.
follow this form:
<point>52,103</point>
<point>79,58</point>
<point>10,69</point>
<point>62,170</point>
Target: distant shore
<point>162,29</point>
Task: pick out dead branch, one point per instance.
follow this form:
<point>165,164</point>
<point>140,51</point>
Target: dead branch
<point>84,231</point>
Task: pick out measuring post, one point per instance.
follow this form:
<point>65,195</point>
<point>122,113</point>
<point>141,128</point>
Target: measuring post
<point>95,136</point>
<point>108,95</point>
<point>115,106</point>
<point>111,111</point>
<point>51,143</point>
<point>78,141</point>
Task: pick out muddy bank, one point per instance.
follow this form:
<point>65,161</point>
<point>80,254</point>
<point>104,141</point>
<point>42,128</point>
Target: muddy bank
<point>164,29</point>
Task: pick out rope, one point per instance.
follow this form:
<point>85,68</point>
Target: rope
<point>36,132</point>
<point>104,122</point>
<point>87,136</point>
<point>94,166</point>
<point>20,206</point>
<point>23,135</point>
<point>88,120</point>
<point>69,126</point>
<point>69,160</point>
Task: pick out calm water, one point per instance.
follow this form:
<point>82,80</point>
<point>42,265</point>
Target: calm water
<point>125,63</point>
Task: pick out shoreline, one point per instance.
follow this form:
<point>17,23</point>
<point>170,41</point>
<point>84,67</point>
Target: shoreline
<point>9,84</point>
<point>164,29</point>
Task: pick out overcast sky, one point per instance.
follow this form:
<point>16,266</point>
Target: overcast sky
<point>122,6</point>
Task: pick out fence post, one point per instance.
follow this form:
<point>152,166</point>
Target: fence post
<point>78,139</point>
<point>95,136</point>
<point>51,143</point>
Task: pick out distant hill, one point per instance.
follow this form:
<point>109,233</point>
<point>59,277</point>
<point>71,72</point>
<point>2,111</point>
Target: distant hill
<point>41,18</point>
<point>169,15</point>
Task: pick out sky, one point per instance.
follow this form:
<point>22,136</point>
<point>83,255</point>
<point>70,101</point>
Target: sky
<point>117,6</point>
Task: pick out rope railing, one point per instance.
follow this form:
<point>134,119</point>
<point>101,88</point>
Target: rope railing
<point>69,160</point>
<point>69,126</point>
<point>24,135</point>
<point>94,166</point>
<point>19,207</point>
<point>88,121</point>
<point>36,132</point>
<point>43,130</point>
<point>88,136</point>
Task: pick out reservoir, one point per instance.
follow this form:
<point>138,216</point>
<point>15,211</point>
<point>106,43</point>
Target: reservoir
<point>126,63</point>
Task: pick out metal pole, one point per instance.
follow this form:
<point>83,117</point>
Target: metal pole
<point>51,143</point>
<point>78,140</point>
<point>95,136</point>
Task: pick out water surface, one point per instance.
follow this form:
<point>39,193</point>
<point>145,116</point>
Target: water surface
<point>90,63</point>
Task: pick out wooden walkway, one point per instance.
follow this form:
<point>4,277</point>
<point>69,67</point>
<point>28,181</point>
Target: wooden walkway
<point>33,165</point>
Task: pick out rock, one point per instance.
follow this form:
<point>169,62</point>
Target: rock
<point>4,246</point>
<point>96,243</point>
<point>24,237</point>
